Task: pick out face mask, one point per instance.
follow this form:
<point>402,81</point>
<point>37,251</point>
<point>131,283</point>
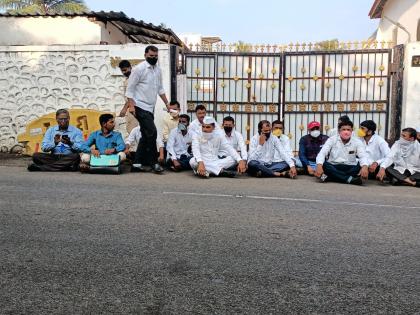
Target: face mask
<point>182,127</point>
<point>267,135</point>
<point>151,60</point>
<point>315,133</point>
<point>228,129</point>
<point>277,132</point>
<point>207,135</point>
<point>127,74</point>
<point>173,113</point>
<point>361,133</point>
<point>405,143</point>
<point>345,135</point>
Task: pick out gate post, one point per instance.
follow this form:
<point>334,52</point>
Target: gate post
<point>396,72</point>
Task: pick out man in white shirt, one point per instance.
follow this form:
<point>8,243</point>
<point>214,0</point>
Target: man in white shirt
<point>277,129</point>
<point>205,148</point>
<point>178,145</point>
<point>144,85</point>
<point>262,152</point>
<point>200,113</point>
<point>418,134</point>
<point>234,138</point>
<point>376,147</point>
<point>402,165</point>
<point>131,146</point>
<point>343,152</point>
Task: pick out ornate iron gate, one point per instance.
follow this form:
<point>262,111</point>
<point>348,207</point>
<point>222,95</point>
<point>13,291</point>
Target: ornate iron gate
<point>296,87</point>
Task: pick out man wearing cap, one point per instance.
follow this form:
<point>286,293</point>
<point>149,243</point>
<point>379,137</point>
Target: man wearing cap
<point>205,148</point>
<point>310,145</point>
<point>376,147</point>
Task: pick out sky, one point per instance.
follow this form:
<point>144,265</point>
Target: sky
<point>253,21</point>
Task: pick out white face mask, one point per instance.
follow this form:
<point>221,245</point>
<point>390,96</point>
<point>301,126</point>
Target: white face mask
<point>315,133</point>
<point>405,143</point>
<point>207,135</point>
<point>173,113</point>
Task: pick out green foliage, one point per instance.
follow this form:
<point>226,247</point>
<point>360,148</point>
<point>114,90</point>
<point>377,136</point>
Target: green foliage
<point>43,6</point>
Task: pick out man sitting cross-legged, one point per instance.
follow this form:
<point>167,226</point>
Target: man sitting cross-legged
<point>61,146</point>
<point>179,145</point>
<point>205,148</point>
<point>262,153</point>
<point>402,165</point>
<point>103,142</point>
<point>342,152</point>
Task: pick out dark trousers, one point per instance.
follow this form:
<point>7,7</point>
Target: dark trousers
<point>340,172</point>
<point>184,160</point>
<point>391,172</point>
<point>56,162</point>
<point>147,146</point>
<point>266,169</point>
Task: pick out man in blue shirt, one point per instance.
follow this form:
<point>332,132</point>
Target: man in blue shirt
<point>103,142</point>
<point>61,146</point>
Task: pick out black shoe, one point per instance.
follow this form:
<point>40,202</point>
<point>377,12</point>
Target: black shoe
<point>356,181</point>
<point>33,168</point>
<point>157,168</point>
<point>230,174</point>
<point>136,168</point>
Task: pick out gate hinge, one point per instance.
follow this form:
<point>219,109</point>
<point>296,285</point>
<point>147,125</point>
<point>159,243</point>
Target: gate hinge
<point>395,68</point>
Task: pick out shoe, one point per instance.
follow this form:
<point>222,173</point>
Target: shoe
<point>323,178</point>
<point>84,168</point>
<point>136,168</point>
<point>356,181</point>
<point>230,174</point>
<point>258,174</point>
<point>157,168</point>
<point>33,168</point>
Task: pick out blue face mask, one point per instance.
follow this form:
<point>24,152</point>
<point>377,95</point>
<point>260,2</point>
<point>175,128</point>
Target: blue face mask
<point>182,127</point>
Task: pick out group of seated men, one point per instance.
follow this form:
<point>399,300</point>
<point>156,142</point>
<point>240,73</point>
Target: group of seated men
<point>209,150</point>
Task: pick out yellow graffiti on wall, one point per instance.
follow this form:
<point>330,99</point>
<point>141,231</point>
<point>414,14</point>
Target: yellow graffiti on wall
<point>87,120</point>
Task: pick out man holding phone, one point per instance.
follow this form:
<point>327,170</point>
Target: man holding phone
<point>61,146</point>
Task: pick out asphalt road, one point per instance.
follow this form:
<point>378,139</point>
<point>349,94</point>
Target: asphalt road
<point>176,244</point>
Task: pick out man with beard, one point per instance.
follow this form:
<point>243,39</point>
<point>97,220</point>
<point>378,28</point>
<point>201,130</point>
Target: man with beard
<point>130,120</point>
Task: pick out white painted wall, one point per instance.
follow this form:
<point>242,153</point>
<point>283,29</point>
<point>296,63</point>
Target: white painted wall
<point>405,12</point>
<point>58,31</point>
<point>411,86</point>
<point>36,80</point>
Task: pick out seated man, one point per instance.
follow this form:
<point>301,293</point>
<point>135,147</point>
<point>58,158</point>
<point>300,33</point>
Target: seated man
<point>195,126</point>
<point>262,153</point>
<point>277,128</point>
<point>102,142</point>
<point>342,152</point>
<point>206,146</point>
<point>418,134</point>
<point>402,165</point>
<point>170,120</point>
<point>178,146</point>
<point>310,145</point>
<point>376,147</point>
<point>131,144</point>
<point>63,144</point>
<point>234,138</point>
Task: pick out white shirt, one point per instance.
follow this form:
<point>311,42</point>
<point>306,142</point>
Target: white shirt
<point>178,144</point>
<point>285,141</point>
<point>349,153</point>
<point>377,149</point>
<point>134,137</point>
<point>195,127</point>
<point>236,141</point>
<point>265,153</point>
<point>411,162</point>
<point>207,150</point>
<point>144,85</point>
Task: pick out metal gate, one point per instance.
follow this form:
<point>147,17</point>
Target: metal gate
<point>296,87</point>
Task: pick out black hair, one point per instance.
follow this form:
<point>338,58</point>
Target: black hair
<point>175,103</point>
<point>200,107</point>
<point>344,118</point>
<point>369,124</point>
<point>185,116</point>
<point>345,123</point>
<point>261,124</point>
<point>229,118</point>
<point>124,64</point>
<point>62,111</point>
<point>277,122</point>
<point>152,48</point>
<point>104,118</point>
<point>411,131</point>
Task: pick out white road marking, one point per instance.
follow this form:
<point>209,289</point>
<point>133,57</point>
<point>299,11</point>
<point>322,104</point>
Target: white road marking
<point>292,199</point>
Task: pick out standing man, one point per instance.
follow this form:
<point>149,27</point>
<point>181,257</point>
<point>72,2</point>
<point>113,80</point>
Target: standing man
<point>144,85</point>
<point>61,144</point>
<point>130,120</point>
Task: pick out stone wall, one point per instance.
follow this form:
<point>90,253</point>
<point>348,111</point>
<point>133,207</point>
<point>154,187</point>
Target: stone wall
<point>35,81</point>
